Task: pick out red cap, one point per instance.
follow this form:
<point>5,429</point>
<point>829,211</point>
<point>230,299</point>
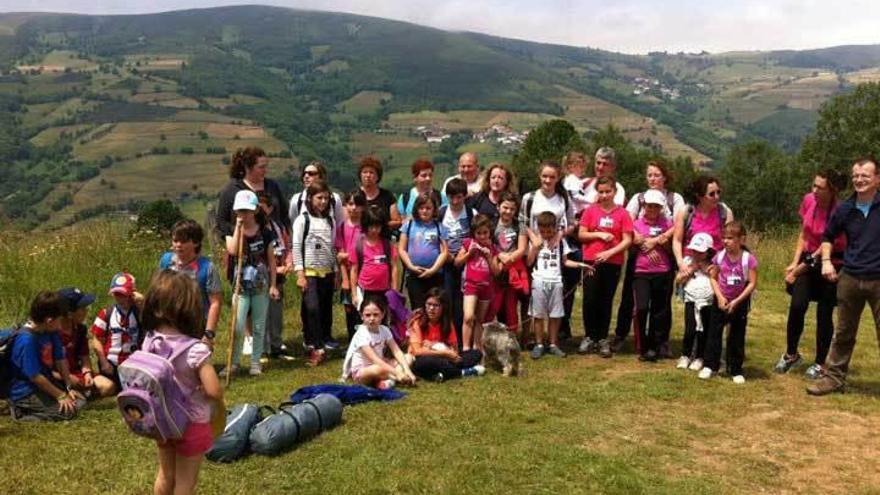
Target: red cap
<point>122,283</point>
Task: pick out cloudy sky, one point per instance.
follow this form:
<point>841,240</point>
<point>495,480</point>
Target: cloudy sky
<point>634,26</point>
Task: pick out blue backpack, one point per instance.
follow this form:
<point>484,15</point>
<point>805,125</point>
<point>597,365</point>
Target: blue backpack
<point>201,273</point>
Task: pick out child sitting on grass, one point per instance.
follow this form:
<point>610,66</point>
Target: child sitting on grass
<point>75,339</point>
<point>365,361</point>
<point>117,332</point>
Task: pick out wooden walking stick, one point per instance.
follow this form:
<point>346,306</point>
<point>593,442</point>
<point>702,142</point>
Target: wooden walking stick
<point>239,230</point>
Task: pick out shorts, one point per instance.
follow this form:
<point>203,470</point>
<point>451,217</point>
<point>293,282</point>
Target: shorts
<point>197,439</point>
<point>484,292</point>
<point>546,300</point>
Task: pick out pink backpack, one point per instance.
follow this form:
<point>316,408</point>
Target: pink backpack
<point>152,402</point>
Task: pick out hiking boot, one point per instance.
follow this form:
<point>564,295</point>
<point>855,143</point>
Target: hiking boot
<point>587,346</point>
<point>649,356</point>
<point>605,348</point>
<point>786,363</point>
<point>814,372</point>
<point>617,343</point>
<point>537,351</point>
<point>683,363</point>
<point>555,351</point>
<point>824,386</point>
<point>696,365</point>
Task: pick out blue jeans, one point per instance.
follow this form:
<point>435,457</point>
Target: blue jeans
<point>258,306</point>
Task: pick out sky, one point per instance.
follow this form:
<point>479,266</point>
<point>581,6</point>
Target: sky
<point>630,26</point>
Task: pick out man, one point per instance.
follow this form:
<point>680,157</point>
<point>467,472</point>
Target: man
<point>469,170</point>
<point>858,218</point>
<point>605,165</point>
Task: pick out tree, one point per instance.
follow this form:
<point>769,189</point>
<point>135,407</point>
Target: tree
<point>549,141</point>
<point>159,216</point>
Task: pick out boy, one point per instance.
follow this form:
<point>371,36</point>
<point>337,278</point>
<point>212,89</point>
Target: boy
<point>455,226</point>
<point>116,329</point>
<point>548,253</point>
<point>34,394</point>
<point>74,339</point>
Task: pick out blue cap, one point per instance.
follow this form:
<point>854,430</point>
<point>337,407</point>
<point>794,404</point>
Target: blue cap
<point>76,298</point>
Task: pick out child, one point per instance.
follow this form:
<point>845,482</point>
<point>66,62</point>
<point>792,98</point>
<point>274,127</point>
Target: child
<point>652,282</point>
<point>548,254</point>
<point>74,338</point>
<point>173,315</point>
<point>365,361</point>
<point>698,298</point>
<point>455,225</point>
<point>347,232</point>
<point>512,283</point>
<point>257,276</point>
<point>314,260</point>
<point>733,284</point>
<point>606,233</point>
<point>373,259</point>
<point>478,256</point>
<point>185,257</point>
<point>575,164</point>
<point>34,395</point>
<point>283,266</point>
<point>116,330</point>
<point>422,251</point>
<point>433,344</point>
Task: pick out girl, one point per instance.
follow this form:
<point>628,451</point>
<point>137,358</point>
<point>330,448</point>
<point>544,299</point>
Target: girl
<point>422,251</point>
<point>652,283</point>
<point>575,164</point>
<point>365,361</point>
<point>283,266</point>
<point>173,316</point>
<point>433,344</point>
<point>733,284</point>
<point>257,275</point>
<point>346,233</point>
<point>373,259</point>
<point>606,233</point>
<point>478,256</point>
<point>512,284</point>
<point>314,261</point>
<point>698,298</point>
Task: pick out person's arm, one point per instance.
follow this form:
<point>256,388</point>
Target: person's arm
<point>465,254</point>
<point>210,383</point>
<point>747,292</point>
<point>798,252</point>
<point>97,334</point>
<point>678,243</point>
<point>215,303</point>
<point>522,248</point>
<point>407,376</point>
<point>273,282</point>
<point>828,270</point>
<point>354,274</point>
<point>535,243</point>
<point>729,215</point>
<point>716,288</point>
<point>298,258</point>
<point>396,220</point>
<point>66,402</point>
<point>402,247</point>
<point>623,245</point>
<point>395,268</point>
<point>494,265</point>
<point>439,262</point>
<point>232,240</point>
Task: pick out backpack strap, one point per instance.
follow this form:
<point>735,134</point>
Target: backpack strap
<point>530,201</point>
<point>165,261</point>
<point>405,201</point>
<point>722,213</point>
<point>202,274</point>
<point>307,222</point>
<point>744,259</point>
<point>688,219</point>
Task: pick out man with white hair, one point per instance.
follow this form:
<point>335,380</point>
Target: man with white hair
<point>605,165</point>
<point>469,170</point>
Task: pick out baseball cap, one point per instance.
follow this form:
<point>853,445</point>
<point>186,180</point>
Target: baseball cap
<point>122,283</point>
<point>701,242</point>
<point>76,298</point>
<point>245,200</point>
<point>654,197</point>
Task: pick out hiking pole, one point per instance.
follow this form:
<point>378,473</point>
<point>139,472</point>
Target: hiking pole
<point>236,292</point>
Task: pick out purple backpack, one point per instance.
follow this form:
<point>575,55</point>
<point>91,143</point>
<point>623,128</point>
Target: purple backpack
<point>152,402</point>
<point>399,316</point>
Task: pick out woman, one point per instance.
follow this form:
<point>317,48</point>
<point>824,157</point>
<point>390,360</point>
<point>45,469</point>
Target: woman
<point>804,279</point>
<point>423,181</point>
<point>370,174</point>
<point>658,178</point>
<point>314,170</point>
<point>706,214</point>
<point>248,171</point>
<point>498,180</point>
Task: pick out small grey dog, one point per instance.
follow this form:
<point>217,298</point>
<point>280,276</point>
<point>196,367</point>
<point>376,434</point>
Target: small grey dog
<point>501,349</point>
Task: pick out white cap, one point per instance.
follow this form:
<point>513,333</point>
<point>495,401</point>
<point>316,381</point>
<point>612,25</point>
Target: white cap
<point>701,242</point>
<point>245,200</point>
<point>654,197</point>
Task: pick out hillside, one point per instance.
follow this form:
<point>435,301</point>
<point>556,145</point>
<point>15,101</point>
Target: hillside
<point>104,111</point>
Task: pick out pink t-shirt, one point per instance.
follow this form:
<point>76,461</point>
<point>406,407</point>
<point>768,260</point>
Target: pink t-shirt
<point>731,276</point>
<point>652,229</point>
<point>709,223</point>
<point>814,218</point>
<point>477,269</point>
<point>616,222</point>
<point>346,234</point>
<point>375,272</point>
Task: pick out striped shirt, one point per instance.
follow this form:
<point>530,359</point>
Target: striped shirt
<point>316,252</point>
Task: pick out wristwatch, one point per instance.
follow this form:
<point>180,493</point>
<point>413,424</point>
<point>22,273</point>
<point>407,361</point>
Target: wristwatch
<point>210,334</point>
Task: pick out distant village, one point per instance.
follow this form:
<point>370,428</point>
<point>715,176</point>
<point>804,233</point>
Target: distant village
<point>648,86</point>
<point>497,133</point>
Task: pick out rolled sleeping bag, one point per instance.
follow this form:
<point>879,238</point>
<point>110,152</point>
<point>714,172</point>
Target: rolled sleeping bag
<point>329,409</point>
<point>233,442</point>
<point>275,433</point>
<point>306,415</point>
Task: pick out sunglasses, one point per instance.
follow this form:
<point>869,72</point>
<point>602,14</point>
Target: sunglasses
<point>310,173</point>
<point>714,194</point>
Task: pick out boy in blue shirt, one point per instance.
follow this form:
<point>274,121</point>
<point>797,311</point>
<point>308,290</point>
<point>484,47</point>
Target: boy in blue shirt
<point>37,349</point>
<point>455,226</point>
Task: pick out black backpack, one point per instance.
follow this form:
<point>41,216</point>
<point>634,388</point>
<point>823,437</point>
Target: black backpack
<point>7,340</point>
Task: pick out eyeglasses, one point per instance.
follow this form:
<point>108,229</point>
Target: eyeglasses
<point>714,194</point>
<point>433,305</point>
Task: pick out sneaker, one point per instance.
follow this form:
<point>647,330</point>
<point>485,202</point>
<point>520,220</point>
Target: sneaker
<point>683,363</point>
<point>824,386</point>
<point>331,345</point>
<point>481,370</point>
<point>649,356</point>
<point>256,370</point>
<point>438,378</point>
<point>814,372</point>
<point>605,348</point>
<point>386,384</point>
<point>473,371</point>
<point>281,354</point>
<point>316,357</point>
<point>586,346</point>
<point>696,365</point>
<point>225,371</point>
<point>537,351</point>
<point>556,351</point>
<point>705,374</point>
<point>786,363</point>
<point>739,379</point>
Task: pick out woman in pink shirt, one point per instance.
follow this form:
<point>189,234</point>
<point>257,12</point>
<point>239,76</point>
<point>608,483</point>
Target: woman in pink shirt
<point>706,213</point>
<point>803,277</point>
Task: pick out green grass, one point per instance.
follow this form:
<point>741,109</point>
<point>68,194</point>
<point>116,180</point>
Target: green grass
<point>577,425</point>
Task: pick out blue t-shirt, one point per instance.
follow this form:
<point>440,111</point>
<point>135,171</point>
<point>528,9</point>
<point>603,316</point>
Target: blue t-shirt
<point>455,230</point>
<point>33,354</point>
<point>423,242</point>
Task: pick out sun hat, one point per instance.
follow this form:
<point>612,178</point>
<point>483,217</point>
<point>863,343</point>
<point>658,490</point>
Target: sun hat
<point>701,242</point>
<point>654,197</point>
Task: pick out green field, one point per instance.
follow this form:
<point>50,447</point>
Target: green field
<point>579,425</point>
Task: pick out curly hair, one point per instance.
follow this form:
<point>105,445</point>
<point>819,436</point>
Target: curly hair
<point>243,160</point>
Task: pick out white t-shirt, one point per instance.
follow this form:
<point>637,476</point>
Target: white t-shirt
<point>590,193</point>
<point>355,359</point>
<point>636,210</point>
<point>472,187</point>
<point>574,185</point>
<point>540,204</point>
<point>455,228</point>
<point>548,264</point>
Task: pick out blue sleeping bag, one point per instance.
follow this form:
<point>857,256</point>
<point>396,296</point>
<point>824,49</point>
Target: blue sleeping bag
<point>233,443</point>
<point>348,394</point>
